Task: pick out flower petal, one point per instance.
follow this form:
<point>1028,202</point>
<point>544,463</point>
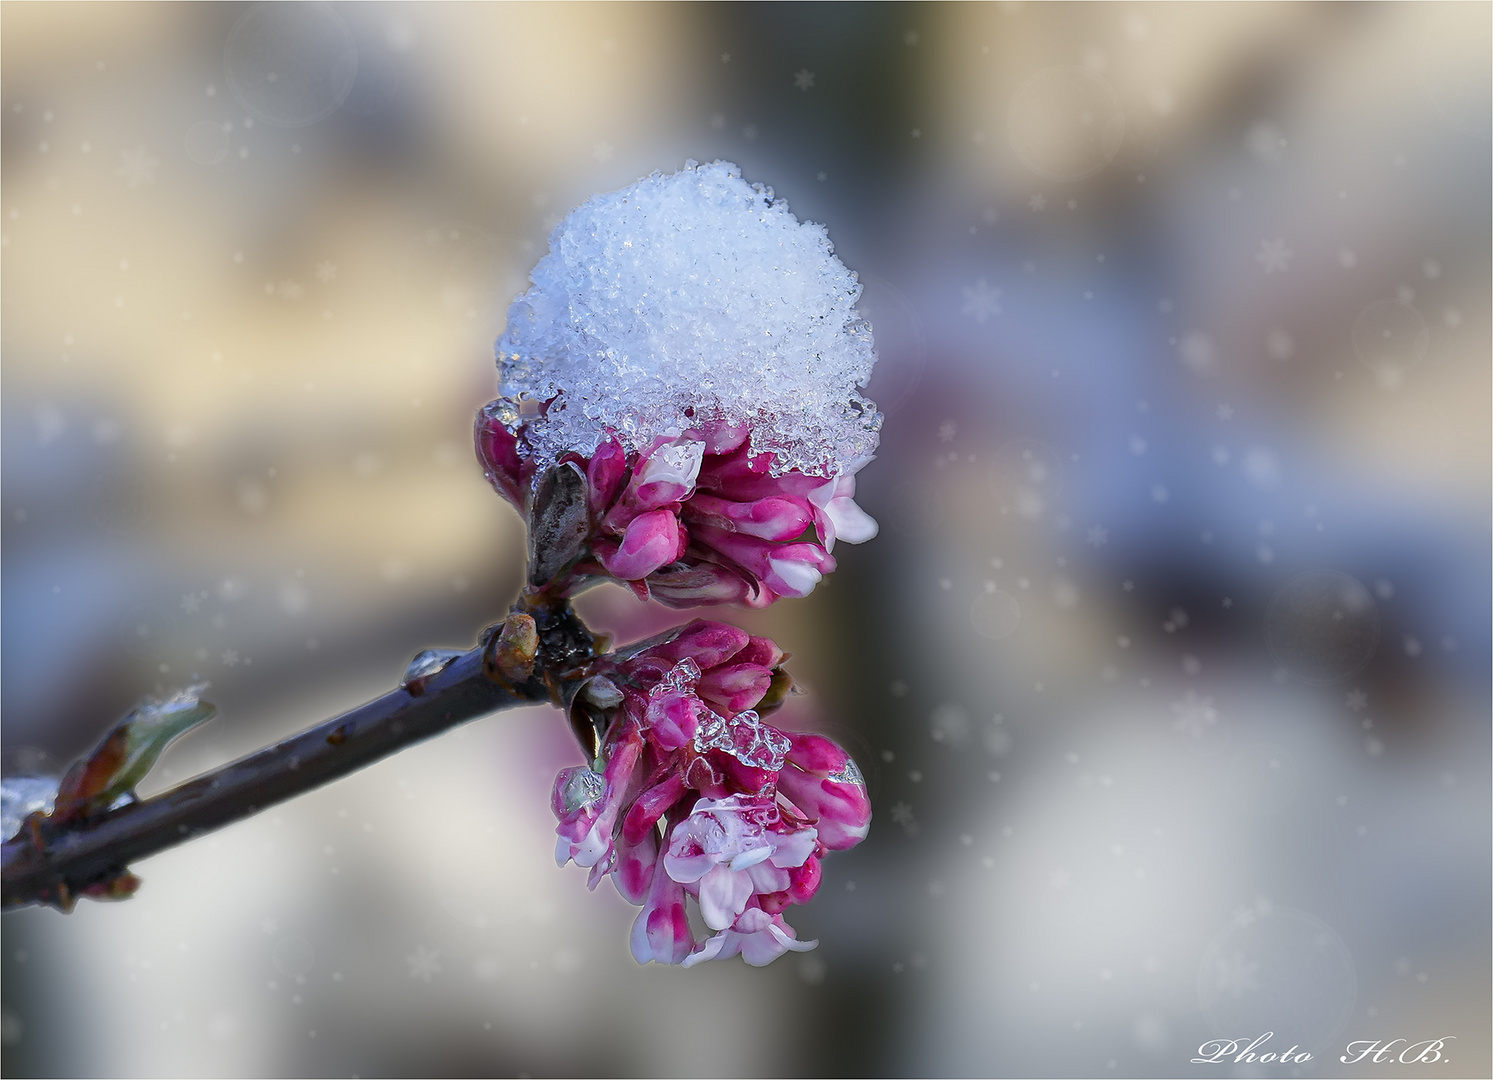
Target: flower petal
<point>851,523</point>
<point>723,894</point>
<point>651,541</point>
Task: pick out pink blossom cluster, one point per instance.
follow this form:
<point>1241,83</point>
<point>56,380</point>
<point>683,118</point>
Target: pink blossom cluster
<point>692,794</point>
<point>691,519</point>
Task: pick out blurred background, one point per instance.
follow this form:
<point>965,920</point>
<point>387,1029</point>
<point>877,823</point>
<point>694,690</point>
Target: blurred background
<point>1169,670</point>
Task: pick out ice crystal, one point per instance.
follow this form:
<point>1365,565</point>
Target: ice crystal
<point>744,737</point>
<point>685,300</point>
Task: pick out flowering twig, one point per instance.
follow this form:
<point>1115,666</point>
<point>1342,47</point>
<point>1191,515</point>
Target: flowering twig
<point>680,413</point>
<point>528,658</point>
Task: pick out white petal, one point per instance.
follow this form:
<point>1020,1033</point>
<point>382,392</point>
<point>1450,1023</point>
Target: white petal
<point>787,942</point>
<point>800,577</point>
<point>687,869</point>
<point>794,848</point>
<point>767,878</point>
<point>770,943</point>
<point>713,947</point>
<point>852,524</point>
<point>642,948</point>
<point>676,464</point>
<point>751,857</point>
<point>822,495</point>
<point>723,895</point>
<point>592,848</point>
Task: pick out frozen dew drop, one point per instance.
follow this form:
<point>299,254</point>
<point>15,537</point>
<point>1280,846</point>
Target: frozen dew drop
<point>428,663</point>
<point>850,774</point>
<point>682,676</point>
<point>580,786</point>
<point>744,737</point>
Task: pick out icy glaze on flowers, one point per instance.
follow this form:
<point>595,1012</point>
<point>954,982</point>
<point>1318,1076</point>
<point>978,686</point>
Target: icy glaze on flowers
<point>697,796</point>
<point>685,300</point>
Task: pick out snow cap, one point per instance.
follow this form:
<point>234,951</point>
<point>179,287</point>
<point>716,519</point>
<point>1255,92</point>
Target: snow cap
<point>689,300</point>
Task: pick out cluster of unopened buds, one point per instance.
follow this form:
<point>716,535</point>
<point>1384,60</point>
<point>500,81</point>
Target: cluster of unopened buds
<point>693,793</point>
<point>690,791</point>
<point>692,519</point>
<point>681,413</point>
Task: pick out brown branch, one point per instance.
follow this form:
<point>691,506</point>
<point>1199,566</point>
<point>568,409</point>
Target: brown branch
<point>53,862</point>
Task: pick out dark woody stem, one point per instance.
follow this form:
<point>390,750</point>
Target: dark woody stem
<point>52,863</point>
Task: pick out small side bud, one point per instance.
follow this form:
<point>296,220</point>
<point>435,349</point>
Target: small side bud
<point>127,752</point>
<point>121,886</point>
<point>510,654</point>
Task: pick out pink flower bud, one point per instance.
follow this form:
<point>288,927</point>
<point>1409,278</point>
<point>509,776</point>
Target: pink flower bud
<point>709,644</point>
<point>779,569</point>
<point>586,831</point>
<point>665,475</point>
<point>673,718</point>
<point>735,688</point>
<point>823,782</point>
<point>604,473</point>
<point>692,584</point>
<point>651,540</point>
<point>506,469</point>
<point>776,517</point>
<point>803,883</point>
<point>739,535</point>
<point>661,933</point>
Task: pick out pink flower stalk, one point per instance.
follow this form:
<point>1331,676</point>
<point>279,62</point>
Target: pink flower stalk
<point>692,794</point>
<point>692,519</point>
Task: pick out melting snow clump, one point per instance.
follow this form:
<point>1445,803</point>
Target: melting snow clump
<point>20,796</point>
<point>686,300</point>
